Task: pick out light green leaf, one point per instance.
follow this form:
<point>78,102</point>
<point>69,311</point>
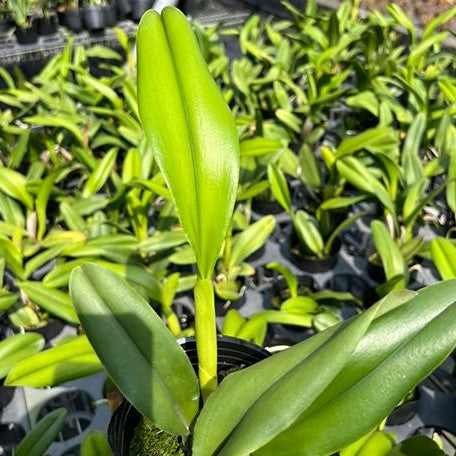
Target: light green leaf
<point>13,184</point>
<point>258,146</point>
<point>413,169</point>
<point>279,186</point>
<point>17,348</point>
<point>59,364</point>
<point>250,240</point>
<point>190,129</point>
<point>232,323</point>
<point>100,174</point>
<point>392,259</point>
<point>95,443</point>
<point>54,301</point>
<point>376,140</point>
<point>307,231</point>
<point>290,278</point>
<point>443,253</point>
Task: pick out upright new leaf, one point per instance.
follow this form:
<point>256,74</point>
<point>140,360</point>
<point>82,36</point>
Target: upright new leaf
<point>190,129</point>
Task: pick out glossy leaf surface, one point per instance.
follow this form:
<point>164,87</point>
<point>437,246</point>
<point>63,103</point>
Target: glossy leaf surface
<point>71,360</point>
<point>190,129</point>
<point>383,368</point>
<point>145,361</point>
<point>18,347</point>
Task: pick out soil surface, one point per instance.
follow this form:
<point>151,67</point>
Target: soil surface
<point>421,11</point>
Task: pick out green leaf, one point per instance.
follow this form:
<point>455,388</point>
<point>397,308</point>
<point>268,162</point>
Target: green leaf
<point>250,240</point>
<point>451,182</point>
<point>232,323</point>
<point>392,259</point>
<point>191,130</point>
<point>438,21</point>
<point>54,301</point>
<point>279,186</point>
<point>43,257</point>
<point>286,391</point>
<point>13,184</point>
<point>258,146</point>
<point>162,240</point>
<point>40,438</point>
<point>376,140</point>
<point>340,202</point>
<point>100,174</point>
<point>7,299</point>
<point>66,122</point>
<point>401,18</point>
<point>289,119</point>
<point>72,218</point>
<point>95,443</point>
<point>59,364</point>
<point>18,347</point>
<point>290,278</point>
<point>383,369</point>
<point>146,363</point>
<point>365,100</point>
<point>309,167</point>
<point>417,445</point>
<point>418,51</point>
<point>359,175</point>
<point>443,253</point>
<point>300,305</point>
<point>307,231</point>
<point>413,169</point>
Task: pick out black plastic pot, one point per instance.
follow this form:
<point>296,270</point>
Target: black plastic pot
<point>27,35</point>
<point>124,7</point>
<point>73,20</point>
<point>47,25</point>
<point>111,16</point>
<point>139,7</point>
<point>232,354</point>
<point>94,18</point>
<point>316,265</point>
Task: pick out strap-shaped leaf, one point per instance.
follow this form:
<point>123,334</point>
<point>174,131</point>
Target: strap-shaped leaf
<point>16,348</point>
<point>279,398</point>
<point>68,361</point>
<point>412,167</point>
<point>54,301</point>
<point>136,348</point>
<point>279,186</point>
<point>13,184</point>
<point>384,386</point>
<point>100,174</point>
<point>443,253</point>
<point>190,129</point>
<point>250,240</point>
<point>40,438</point>
<point>401,316</point>
<point>392,259</point>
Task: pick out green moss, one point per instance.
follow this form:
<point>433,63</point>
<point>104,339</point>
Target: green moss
<point>148,440</point>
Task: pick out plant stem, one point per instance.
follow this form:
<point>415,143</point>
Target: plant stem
<point>206,336</point>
